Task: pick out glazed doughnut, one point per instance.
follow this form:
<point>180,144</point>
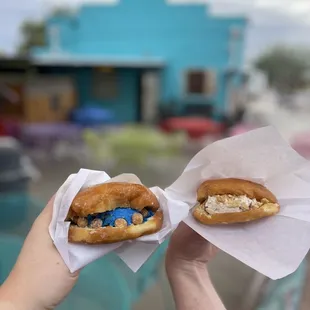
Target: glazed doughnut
<point>108,196</point>
<point>113,212</point>
<point>228,201</point>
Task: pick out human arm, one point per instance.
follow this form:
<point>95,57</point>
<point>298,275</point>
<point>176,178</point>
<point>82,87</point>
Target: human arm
<point>40,279</point>
<point>186,265</point>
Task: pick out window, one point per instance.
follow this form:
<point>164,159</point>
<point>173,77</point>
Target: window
<point>200,82</point>
<point>105,84</point>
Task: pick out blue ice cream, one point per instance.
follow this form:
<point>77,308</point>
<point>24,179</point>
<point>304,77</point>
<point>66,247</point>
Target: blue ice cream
<point>109,217</point>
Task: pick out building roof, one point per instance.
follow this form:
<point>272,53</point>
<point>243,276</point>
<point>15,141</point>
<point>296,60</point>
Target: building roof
<point>14,62</point>
<point>97,60</point>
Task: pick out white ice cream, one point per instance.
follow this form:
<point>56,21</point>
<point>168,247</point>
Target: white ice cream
<point>230,204</point>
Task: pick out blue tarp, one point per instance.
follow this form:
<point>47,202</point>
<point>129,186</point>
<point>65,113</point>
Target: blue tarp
<point>92,116</point>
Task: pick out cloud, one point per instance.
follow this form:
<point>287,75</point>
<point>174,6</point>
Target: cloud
<point>271,22</point>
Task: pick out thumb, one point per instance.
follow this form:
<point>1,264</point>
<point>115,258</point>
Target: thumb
<point>46,214</point>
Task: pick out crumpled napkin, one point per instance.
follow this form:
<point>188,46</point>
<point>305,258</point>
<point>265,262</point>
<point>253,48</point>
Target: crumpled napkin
<point>133,253</point>
<point>274,246</point>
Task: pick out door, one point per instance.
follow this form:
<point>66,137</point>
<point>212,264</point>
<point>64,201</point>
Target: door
<point>49,99</point>
<point>150,96</point>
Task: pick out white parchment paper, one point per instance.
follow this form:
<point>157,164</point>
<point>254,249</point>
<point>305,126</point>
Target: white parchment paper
<point>274,246</point>
<point>133,253</point>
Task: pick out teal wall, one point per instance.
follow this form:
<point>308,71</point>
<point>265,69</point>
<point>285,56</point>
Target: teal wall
<point>183,36</point>
<point>124,105</point>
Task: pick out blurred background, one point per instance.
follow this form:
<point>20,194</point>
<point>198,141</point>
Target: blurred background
<point>141,86</point>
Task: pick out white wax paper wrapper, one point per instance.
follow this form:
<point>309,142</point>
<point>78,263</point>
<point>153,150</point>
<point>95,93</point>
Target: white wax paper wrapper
<point>274,246</point>
<point>133,253</point>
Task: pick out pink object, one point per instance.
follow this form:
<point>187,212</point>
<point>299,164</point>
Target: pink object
<point>239,129</point>
<point>301,144</point>
<point>195,127</point>
<point>10,127</point>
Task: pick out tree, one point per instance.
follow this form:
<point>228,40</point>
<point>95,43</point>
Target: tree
<point>33,33</point>
<point>286,68</point>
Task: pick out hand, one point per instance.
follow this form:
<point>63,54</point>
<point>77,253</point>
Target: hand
<point>40,279</point>
<point>186,265</point>
<point>188,247</point>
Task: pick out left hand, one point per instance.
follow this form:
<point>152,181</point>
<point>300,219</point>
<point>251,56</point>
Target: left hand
<point>40,279</point>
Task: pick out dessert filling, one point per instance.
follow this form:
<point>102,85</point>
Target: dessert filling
<point>120,217</point>
<point>231,204</point>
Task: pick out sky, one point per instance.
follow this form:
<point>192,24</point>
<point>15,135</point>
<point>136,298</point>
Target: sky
<point>271,21</point>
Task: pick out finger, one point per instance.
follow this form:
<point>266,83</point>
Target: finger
<point>48,210</point>
<point>45,216</point>
<point>213,250</point>
<point>39,229</point>
<point>184,229</point>
<point>188,233</point>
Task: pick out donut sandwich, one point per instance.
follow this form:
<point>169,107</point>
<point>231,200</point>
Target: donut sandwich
<point>228,201</point>
<point>113,212</point>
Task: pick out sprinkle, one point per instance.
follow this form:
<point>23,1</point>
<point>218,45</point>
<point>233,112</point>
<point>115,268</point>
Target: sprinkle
<point>120,223</point>
<point>144,212</point>
<point>137,218</point>
<point>82,222</point>
<point>96,223</point>
<point>75,219</point>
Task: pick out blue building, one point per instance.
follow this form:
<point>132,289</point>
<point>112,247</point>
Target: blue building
<point>134,55</point>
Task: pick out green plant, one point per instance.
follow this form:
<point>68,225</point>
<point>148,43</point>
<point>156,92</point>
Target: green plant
<point>133,144</point>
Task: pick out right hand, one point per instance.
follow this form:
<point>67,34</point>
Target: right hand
<point>188,247</point>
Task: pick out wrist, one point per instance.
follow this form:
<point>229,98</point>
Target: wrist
<point>190,272</point>
<point>191,286</point>
<point>16,296</point>
<point>175,265</point>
